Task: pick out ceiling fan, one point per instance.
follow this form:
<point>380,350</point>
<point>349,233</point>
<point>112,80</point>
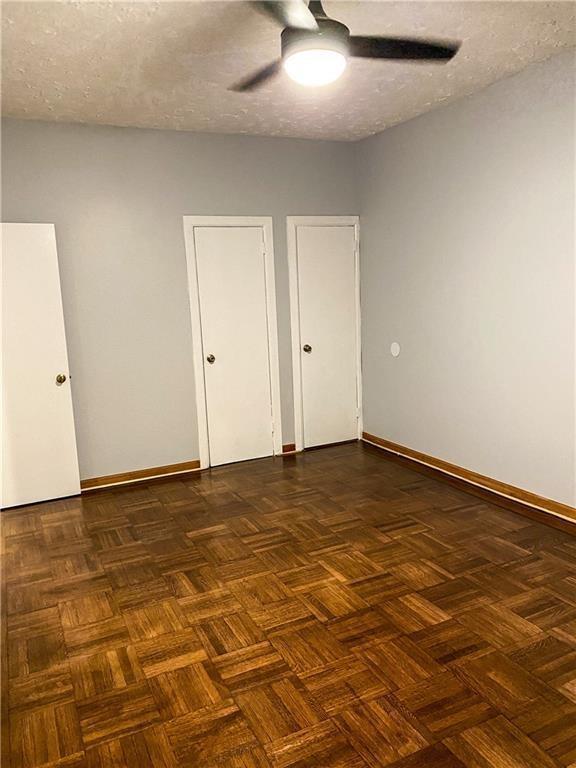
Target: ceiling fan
<point>316,48</point>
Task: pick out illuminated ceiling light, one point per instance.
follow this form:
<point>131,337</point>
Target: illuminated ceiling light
<point>315,66</point>
<point>315,58</point>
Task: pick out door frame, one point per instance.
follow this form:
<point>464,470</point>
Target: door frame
<point>265,223</point>
<point>292,223</point>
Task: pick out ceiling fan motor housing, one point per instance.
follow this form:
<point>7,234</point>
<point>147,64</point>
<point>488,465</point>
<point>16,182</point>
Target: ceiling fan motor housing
<point>331,35</point>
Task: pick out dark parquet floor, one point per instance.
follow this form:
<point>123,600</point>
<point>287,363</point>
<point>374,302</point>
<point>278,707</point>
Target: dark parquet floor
<point>335,610</point>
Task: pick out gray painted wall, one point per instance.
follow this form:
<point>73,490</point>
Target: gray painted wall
<point>467,260</point>
<point>117,197</point>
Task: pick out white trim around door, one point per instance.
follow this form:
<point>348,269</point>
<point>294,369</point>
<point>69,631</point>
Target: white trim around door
<point>265,223</point>
<point>293,222</point>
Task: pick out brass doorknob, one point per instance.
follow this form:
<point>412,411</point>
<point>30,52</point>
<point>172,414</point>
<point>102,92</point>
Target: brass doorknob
<point>307,348</point>
<point>210,359</point>
<point>60,379</point>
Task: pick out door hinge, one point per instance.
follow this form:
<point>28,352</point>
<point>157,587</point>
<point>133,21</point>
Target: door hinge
<point>263,243</point>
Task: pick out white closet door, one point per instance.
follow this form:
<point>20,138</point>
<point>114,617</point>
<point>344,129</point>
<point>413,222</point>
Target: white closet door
<point>232,295</point>
<point>327,292</point>
<point>39,458</point>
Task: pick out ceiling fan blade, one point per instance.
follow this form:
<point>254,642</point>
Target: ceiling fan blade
<point>288,13</point>
<point>257,79</point>
<point>401,48</point>
<point>315,8</point>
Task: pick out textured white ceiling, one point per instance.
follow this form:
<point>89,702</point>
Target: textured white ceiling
<point>168,64</point>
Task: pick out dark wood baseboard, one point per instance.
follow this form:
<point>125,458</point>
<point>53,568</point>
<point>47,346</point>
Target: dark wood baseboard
<point>138,475</point>
<point>152,473</point>
<point>291,447</point>
<point>331,445</point>
<point>537,507</point>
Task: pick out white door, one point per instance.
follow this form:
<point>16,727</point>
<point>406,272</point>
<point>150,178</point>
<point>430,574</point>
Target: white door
<point>234,309</point>
<point>325,320</point>
<point>39,459</point>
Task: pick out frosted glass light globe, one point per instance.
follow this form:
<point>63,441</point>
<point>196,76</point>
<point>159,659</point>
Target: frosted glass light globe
<point>314,67</point>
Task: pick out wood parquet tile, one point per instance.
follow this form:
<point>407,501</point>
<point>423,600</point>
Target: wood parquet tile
<point>498,743</point>
<point>380,732</point>
<point>210,733</point>
<point>443,705</point>
<point>148,747</point>
<point>105,671</point>
<point>551,660</point>
<point>250,667</point>
<point>510,688</point>
<point>335,609</point>
<point>45,735</point>
<point>117,713</point>
<point>170,651</point>
<point>398,662</point>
